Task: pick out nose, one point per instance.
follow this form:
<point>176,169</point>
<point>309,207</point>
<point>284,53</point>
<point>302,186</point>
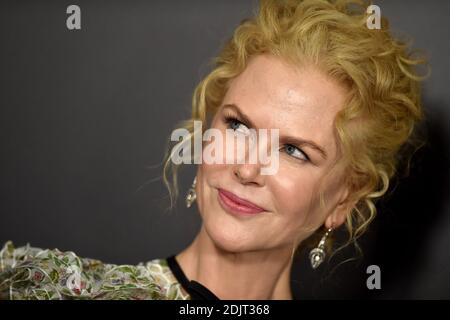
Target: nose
<point>248,174</point>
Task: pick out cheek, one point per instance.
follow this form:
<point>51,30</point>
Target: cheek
<point>209,177</point>
<point>294,195</point>
<point>212,174</point>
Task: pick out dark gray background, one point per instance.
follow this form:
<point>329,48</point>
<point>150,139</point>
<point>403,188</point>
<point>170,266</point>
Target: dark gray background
<point>85,116</point>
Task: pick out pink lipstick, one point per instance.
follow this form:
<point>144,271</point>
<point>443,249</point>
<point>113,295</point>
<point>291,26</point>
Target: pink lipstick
<point>235,205</point>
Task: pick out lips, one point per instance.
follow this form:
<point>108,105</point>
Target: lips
<point>235,204</point>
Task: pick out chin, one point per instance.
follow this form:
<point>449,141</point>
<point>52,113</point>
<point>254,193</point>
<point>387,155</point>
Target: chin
<point>229,239</point>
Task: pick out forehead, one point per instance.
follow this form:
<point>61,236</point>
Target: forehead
<point>301,102</point>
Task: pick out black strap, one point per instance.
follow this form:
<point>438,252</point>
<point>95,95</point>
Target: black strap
<point>200,292</point>
<point>195,289</point>
<point>177,271</point>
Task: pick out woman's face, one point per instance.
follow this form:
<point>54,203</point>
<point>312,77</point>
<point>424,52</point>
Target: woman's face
<point>302,104</point>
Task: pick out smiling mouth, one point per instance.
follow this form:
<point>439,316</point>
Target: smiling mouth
<point>235,205</point>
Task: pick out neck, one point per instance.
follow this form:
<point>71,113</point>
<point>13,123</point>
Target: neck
<point>256,275</point>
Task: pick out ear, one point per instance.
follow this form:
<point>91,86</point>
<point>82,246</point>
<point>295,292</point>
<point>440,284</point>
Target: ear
<point>340,213</point>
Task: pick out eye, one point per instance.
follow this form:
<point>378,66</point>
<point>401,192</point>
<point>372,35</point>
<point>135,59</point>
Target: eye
<point>236,125</point>
<point>295,152</point>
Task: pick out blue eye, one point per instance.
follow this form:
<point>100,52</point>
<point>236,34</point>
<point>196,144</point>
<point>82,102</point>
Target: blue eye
<point>296,152</point>
<point>235,124</point>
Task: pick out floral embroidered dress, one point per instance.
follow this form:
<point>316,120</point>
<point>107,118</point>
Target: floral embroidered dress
<point>33,273</point>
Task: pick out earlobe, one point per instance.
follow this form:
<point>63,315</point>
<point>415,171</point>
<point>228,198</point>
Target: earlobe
<point>340,214</point>
<point>336,219</point>
<point>342,211</point>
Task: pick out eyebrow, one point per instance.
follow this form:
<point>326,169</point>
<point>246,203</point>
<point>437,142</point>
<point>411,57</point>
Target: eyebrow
<point>286,139</point>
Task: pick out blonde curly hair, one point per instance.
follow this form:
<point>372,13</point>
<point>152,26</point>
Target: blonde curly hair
<point>380,72</point>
